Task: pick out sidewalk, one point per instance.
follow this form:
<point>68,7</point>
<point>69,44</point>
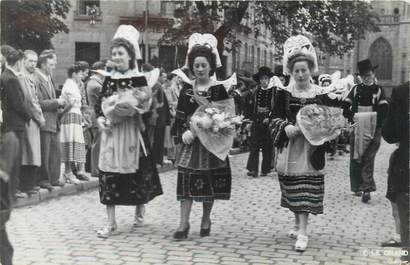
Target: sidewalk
<point>70,189</point>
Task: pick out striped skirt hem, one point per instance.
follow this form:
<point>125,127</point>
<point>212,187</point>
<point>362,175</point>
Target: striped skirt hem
<point>73,152</point>
<point>302,193</point>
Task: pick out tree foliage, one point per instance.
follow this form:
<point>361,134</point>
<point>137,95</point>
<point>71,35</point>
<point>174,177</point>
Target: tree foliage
<point>30,24</point>
<point>333,26</point>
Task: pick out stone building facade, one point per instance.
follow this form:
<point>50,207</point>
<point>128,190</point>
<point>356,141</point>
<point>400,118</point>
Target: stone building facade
<point>91,41</point>
<point>389,48</point>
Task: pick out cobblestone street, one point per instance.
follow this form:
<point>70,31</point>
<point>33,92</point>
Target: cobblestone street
<point>251,228</point>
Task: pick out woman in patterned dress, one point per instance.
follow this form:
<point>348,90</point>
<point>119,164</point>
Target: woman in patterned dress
<point>128,175</point>
<point>202,177</point>
<point>71,130</point>
<point>299,163</point>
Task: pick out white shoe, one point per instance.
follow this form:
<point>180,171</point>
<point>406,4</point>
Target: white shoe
<point>71,179</point>
<point>139,215</point>
<point>107,231</point>
<point>293,234</point>
<point>301,243</point>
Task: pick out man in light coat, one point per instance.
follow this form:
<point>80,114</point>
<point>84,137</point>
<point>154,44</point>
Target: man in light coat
<point>31,149</point>
<point>49,136</point>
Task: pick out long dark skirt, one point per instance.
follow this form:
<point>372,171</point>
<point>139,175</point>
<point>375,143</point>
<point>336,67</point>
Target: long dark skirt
<point>302,193</point>
<point>131,189</point>
<point>204,185</point>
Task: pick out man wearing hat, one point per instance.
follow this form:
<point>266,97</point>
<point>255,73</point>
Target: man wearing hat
<point>370,106</point>
<point>261,102</point>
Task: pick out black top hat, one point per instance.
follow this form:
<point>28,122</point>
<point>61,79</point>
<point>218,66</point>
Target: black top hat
<point>365,66</point>
<point>266,71</point>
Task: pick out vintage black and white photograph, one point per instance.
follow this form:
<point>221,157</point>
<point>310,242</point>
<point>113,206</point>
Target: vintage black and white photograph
<point>150,132</point>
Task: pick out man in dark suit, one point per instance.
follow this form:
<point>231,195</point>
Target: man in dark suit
<point>396,130</point>
<point>49,137</point>
<point>260,114</point>
<point>366,97</point>
<point>15,111</point>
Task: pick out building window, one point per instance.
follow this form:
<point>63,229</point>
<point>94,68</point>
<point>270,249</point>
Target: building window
<point>272,63</point>
<point>404,55</point>
<point>87,51</point>
<point>396,11</point>
<point>86,7</point>
<point>403,76</point>
<point>246,51</point>
<point>238,58</point>
<point>258,57</point>
<point>163,8</point>
<point>253,57</point>
<point>264,58</point>
<point>380,53</point>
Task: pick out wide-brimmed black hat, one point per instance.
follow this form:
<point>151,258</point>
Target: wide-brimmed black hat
<point>365,66</point>
<point>266,71</point>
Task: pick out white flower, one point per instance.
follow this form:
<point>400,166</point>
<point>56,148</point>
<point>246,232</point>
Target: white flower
<point>205,122</point>
<point>219,117</point>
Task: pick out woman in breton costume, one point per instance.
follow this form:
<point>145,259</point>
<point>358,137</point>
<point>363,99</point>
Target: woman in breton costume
<point>128,175</point>
<point>299,163</point>
<point>203,174</point>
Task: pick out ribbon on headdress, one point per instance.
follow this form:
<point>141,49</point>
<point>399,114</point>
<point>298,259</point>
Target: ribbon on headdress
<point>298,45</point>
<point>206,39</point>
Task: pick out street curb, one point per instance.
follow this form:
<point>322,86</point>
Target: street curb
<point>68,189</point>
<point>71,189</point>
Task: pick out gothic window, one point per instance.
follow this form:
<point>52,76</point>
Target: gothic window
<point>380,53</point>
<point>246,51</point>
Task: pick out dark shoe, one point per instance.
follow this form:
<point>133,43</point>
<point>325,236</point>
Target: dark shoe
<point>250,173</point>
<point>47,186</point>
<point>58,184</point>
<point>357,193</point>
<point>82,176</point>
<point>32,192</point>
<point>391,243</point>
<point>264,174</point>
<point>205,232</point>
<point>366,197</point>
<point>179,235</point>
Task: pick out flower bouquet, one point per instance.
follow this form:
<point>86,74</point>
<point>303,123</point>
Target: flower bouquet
<point>320,124</point>
<point>127,103</point>
<point>215,125</point>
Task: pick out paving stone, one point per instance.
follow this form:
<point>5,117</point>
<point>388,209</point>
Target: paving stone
<point>251,228</point>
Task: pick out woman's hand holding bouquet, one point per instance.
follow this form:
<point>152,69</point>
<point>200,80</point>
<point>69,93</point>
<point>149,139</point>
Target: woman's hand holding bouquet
<point>188,137</point>
<point>128,103</point>
<point>319,123</point>
<point>215,125</point>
